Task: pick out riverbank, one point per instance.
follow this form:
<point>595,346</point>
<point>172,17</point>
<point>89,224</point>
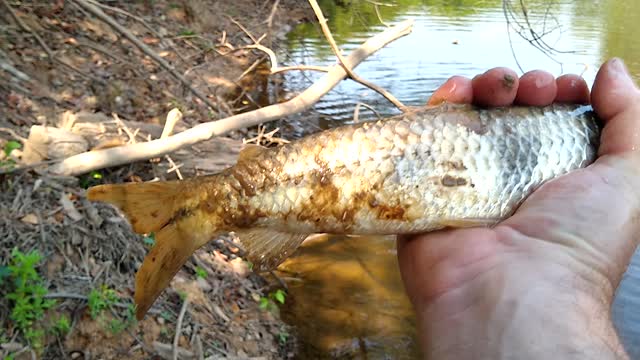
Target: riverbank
<point>67,69</point>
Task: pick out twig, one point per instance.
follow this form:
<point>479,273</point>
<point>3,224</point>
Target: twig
<point>143,47</point>
<point>356,111</point>
<point>250,69</point>
<point>98,159</point>
<point>173,117</point>
<point>300,68</point>
<point>327,34</point>
<point>13,71</point>
<point>176,338</point>
<point>255,41</point>
<point>14,134</point>
<point>272,55</point>
<point>273,12</point>
<point>174,167</point>
<point>274,61</point>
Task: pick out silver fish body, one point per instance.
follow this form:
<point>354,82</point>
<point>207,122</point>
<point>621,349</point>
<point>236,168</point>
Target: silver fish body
<point>420,171</point>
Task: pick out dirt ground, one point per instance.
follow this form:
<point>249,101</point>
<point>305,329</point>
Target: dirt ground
<point>59,61</point>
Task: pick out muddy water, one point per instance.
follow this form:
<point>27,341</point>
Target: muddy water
<point>346,297</point>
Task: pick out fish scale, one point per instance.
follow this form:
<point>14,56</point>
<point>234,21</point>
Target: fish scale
<point>448,166</point>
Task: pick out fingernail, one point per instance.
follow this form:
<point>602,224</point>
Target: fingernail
<point>619,69</point>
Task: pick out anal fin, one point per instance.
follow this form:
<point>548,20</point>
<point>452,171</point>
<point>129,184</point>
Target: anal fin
<point>267,248</point>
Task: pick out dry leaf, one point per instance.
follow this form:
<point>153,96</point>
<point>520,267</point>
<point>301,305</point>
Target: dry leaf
<point>30,219</point>
<point>69,208</point>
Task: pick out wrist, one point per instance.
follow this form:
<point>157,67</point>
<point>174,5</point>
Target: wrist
<point>523,310</point>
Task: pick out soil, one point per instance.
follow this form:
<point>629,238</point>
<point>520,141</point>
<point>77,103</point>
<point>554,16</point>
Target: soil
<point>59,61</point>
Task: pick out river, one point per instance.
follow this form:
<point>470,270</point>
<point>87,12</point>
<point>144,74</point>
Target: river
<point>345,294</point>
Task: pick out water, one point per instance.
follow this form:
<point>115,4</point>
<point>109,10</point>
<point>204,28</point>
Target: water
<point>346,297</point>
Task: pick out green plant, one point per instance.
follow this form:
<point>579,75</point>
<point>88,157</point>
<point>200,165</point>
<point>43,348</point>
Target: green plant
<point>101,299</point>
<point>201,273</point>
<point>269,302</point>
<point>91,179</point>
<point>186,32</point>
<point>27,296</point>
<point>61,325</point>
<point>10,146</point>
<point>283,336</point>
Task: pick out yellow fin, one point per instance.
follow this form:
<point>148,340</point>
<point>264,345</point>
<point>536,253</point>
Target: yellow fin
<point>469,222</point>
<point>250,152</point>
<point>172,250</point>
<point>266,248</point>
<point>148,206</point>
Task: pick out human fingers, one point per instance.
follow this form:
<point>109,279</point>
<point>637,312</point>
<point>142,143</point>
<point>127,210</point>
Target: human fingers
<point>572,89</point>
<point>616,100</point>
<point>496,87</point>
<point>456,90</point>
<point>536,88</point>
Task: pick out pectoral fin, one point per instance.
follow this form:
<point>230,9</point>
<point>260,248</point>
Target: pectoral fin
<point>266,248</point>
<point>469,222</point>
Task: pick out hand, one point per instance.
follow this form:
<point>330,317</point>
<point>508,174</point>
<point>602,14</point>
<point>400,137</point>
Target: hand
<point>540,284</point>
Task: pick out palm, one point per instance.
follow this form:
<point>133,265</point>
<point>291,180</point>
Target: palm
<point>568,222</point>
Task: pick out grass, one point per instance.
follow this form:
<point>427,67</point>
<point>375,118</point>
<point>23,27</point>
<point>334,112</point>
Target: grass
<point>104,298</point>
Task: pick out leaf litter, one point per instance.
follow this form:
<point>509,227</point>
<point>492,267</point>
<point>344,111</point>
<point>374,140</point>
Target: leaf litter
<point>85,67</point>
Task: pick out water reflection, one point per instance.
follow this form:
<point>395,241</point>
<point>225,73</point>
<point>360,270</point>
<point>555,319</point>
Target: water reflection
<point>463,37</point>
<point>350,300</point>
<point>347,297</point>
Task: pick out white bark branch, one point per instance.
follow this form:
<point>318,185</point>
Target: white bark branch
<point>93,160</point>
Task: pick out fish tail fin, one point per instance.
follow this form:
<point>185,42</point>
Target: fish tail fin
<point>158,207</point>
<point>148,206</point>
<point>172,250</point>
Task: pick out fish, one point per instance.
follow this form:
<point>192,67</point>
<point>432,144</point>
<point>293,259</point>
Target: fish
<point>448,166</point>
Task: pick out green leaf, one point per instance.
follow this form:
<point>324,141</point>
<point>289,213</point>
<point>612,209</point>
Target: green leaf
<point>187,32</point>
<point>264,303</point>
<point>10,146</point>
<point>279,296</point>
<point>96,175</point>
<point>201,273</point>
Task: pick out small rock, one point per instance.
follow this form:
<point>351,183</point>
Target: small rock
<point>11,346</point>
<point>203,284</point>
<point>160,320</point>
<point>251,347</point>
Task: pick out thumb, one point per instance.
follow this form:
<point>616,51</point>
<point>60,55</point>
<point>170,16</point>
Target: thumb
<point>616,99</point>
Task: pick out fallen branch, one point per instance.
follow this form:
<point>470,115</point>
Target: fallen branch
<point>90,7</point>
<point>93,160</point>
<point>176,338</point>
<point>327,34</point>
